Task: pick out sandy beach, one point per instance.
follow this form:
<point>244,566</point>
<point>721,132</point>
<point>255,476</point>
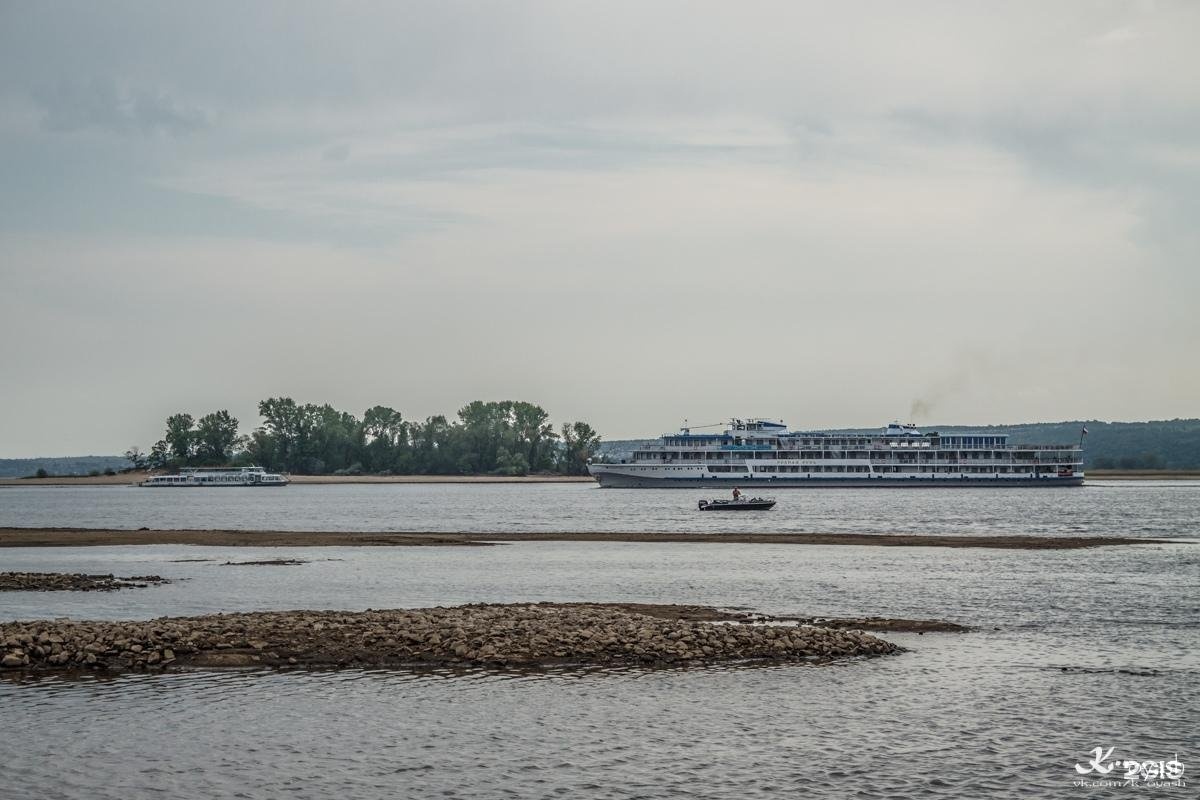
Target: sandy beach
<point>121,479</point>
<point>96,537</point>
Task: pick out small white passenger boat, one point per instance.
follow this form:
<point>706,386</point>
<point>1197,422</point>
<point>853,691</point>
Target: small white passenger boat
<point>217,476</point>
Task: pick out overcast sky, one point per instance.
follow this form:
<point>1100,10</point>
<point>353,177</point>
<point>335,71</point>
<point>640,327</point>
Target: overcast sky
<point>630,213</point>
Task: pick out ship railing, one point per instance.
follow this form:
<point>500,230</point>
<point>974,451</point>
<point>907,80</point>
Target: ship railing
<point>817,462</point>
<point>1044,447</point>
<point>979,462</point>
<point>657,448</point>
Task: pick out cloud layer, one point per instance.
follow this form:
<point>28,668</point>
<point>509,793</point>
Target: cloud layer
<point>630,213</point>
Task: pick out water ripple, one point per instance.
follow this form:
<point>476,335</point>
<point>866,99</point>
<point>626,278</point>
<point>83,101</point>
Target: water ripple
<point>1140,508</point>
<point>1072,650</point>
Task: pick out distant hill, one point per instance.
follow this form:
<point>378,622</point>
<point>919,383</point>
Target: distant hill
<point>67,465</point>
<point>1158,444</point>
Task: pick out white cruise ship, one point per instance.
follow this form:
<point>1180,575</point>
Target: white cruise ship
<point>757,453</point>
<point>218,476</point>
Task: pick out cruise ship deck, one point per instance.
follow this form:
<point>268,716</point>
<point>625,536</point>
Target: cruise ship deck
<point>757,452</point>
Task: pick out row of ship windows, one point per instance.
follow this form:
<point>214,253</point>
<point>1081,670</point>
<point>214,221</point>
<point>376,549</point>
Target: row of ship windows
<point>855,468</point>
<point>863,455</point>
<point>813,469</point>
<point>945,441</point>
<point>953,470</point>
<point>215,479</point>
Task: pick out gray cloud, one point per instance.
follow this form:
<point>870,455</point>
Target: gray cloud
<point>70,106</point>
<point>336,152</point>
<point>592,204</point>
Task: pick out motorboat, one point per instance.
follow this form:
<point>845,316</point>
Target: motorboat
<point>741,504</point>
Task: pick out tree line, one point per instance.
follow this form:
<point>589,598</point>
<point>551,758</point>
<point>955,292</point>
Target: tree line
<point>498,438</point>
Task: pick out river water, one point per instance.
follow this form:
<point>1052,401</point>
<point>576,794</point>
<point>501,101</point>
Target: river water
<point>1131,508</point>
<point>1071,650</point>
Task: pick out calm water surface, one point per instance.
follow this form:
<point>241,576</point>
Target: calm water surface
<point>1134,508</point>
<point>1073,650</point>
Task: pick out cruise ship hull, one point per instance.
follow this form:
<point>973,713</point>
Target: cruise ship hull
<point>616,480</point>
<point>226,484</point>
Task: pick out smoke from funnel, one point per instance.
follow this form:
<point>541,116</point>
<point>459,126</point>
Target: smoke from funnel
<point>966,367</point>
<point>919,410</point>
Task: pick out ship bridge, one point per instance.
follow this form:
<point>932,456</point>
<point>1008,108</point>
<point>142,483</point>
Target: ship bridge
<point>765,426</point>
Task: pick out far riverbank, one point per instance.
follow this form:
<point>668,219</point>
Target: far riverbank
<point>133,478</point>
<point>1142,475</point>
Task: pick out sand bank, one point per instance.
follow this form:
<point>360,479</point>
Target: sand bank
<point>87,537</point>
<point>121,479</point>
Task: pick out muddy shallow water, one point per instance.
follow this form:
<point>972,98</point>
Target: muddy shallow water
<point>1073,650</point>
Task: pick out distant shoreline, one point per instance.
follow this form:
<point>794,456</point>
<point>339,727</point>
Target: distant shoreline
<point>103,537</point>
<point>1143,475</point>
<point>441,479</point>
<point>132,478</point>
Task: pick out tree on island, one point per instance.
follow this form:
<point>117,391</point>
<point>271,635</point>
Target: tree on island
<point>507,437</point>
<point>216,438</point>
<point>213,441</point>
<point>580,443</point>
<point>160,455</point>
<point>136,458</point>
<point>385,435</point>
<point>180,438</point>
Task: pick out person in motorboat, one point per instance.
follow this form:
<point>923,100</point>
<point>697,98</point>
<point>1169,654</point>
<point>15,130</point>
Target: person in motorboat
<point>737,494</point>
<point>738,504</point>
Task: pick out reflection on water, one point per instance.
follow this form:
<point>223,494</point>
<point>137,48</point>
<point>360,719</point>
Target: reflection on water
<point>1134,508</point>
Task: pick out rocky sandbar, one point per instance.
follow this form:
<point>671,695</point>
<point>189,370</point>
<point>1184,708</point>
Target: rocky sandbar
<point>518,635</point>
<point>72,582</point>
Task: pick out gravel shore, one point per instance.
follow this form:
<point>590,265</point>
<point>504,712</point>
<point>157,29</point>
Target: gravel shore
<point>518,635</point>
<point>72,582</point>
